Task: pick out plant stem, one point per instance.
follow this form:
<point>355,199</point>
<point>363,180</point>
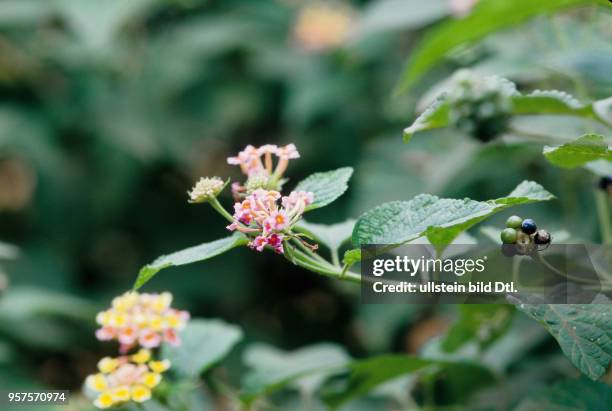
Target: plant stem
<point>603,213</point>
<point>335,258</point>
<point>219,208</point>
<point>304,260</point>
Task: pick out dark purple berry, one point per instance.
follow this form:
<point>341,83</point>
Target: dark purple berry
<point>529,226</point>
<point>542,237</point>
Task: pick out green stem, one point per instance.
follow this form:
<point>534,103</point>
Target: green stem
<point>603,213</point>
<point>305,261</point>
<point>219,208</point>
<point>335,257</point>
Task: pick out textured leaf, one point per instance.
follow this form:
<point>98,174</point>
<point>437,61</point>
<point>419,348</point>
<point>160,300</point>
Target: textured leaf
<point>189,255</point>
<point>544,102</point>
<point>589,147</point>
<point>365,375</point>
<point>327,186</point>
<point>273,369</point>
<point>571,395</point>
<point>487,17</point>
<point>482,323</point>
<point>203,344</point>
<point>584,332</point>
<point>439,219</point>
<point>332,236</point>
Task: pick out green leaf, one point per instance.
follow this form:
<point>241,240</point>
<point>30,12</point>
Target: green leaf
<point>273,369</point>
<point>584,332</point>
<point>203,344</point>
<point>589,147</point>
<point>487,17</point>
<point>365,375</point>
<point>571,395</point>
<point>434,116</point>
<point>351,257</point>
<point>482,323</point>
<point>332,236</point>
<point>189,255</point>
<point>326,187</point>
<point>543,102</point>
<point>441,220</point>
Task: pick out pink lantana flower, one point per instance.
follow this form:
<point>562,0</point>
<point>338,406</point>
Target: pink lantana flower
<point>261,215</point>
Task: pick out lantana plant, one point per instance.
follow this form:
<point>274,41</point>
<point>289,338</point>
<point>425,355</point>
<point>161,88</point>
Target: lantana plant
<point>266,216</point>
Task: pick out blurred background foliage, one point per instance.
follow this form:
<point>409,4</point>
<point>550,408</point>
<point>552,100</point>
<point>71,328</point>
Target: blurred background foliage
<point>110,110</point>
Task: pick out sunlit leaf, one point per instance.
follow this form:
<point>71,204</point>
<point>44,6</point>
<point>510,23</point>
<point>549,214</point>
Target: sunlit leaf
<point>487,17</point>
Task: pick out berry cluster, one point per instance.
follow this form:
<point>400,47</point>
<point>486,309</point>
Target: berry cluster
<point>523,237</point>
<point>480,107</point>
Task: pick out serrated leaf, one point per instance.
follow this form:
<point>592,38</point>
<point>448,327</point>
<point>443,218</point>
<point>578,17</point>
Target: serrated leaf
<point>189,255</point>
<point>589,147</point>
<point>439,219</point>
<point>543,102</point>
<point>332,236</point>
<point>584,332</point>
<point>326,186</point>
<point>203,344</point>
<point>483,324</point>
<point>365,375</point>
<point>273,369</point>
<point>571,395</point>
<point>487,17</point>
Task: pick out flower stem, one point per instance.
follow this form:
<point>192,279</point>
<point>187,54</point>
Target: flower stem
<point>305,261</point>
<point>219,208</point>
<point>603,213</point>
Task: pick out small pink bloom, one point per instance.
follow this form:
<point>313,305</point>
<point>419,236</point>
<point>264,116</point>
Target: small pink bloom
<point>171,337</point>
<point>232,226</point>
<point>105,333</point>
<point>258,243</point>
<point>128,335</point>
<point>288,152</point>
<point>149,339</point>
<point>277,221</point>
<point>268,149</point>
<point>276,242</point>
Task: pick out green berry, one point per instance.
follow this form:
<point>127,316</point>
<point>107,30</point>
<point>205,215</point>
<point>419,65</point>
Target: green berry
<point>514,222</point>
<point>509,236</point>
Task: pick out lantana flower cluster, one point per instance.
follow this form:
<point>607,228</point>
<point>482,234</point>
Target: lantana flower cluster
<point>260,210</point>
<point>140,322</point>
<point>141,319</point>
<point>259,214</point>
<point>126,378</point>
